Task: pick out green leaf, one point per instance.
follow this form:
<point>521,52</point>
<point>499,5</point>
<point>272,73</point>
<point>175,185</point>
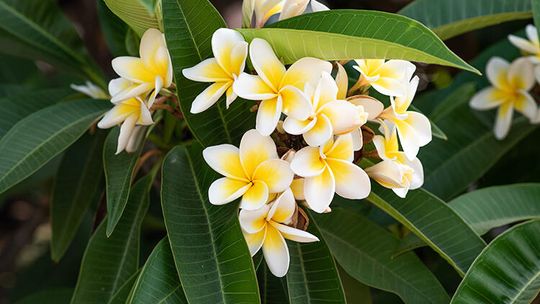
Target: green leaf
<point>313,276</point>
<point>507,271</point>
<point>119,170</point>
<point>110,261</point>
<point>122,294</point>
<point>39,30</point>
<point>140,15</point>
<point>38,138</point>
<point>158,281</point>
<point>77,187</point>
<point>355,292</point>
<point>452,18</point>
<point>189,25</point>
<point>493,207</point>
<point>352,34</point>
<point>365,251</point>
<point>429,218</point>
<point>51,296</point>
<point>211,256</point>
<point>273,289</point>
<point>113,28</point>
<point>17,106</point>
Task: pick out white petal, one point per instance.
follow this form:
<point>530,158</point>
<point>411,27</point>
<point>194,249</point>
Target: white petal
<point>275,173</point>
<point>255,149</point>
<point>207,71</point>
<point>521,74</point>
<point>225,159</point>
<point>283,208</point>
<point>253,221</point>
<point>341,149</point>
<point>253,88</point>
<point>226,190</point>
<point>316,6</point>
<point>306,71</point>
<point>112,118</point>
<point>526,105</point>
<point>351,181</point>
<point>344,116</point>
<point>387,173</point>
<point>125,133</point>
<point>292,8</point>
<point>358,140</point>
<point>297,187</point>
<point>151,41</point>
<point>320,132</point>
<point>342,81</point>
<point>136,139</point>
<point>319,191</point>
<point>307,162</point>
<point>294,234</point>
<point>209,97</point>
<point>523,44</point>
<point>297,127</point>
<point>133,69</point>
<point>231,96</point>
<point>503,121</point>
<point>372,106</point>
<point>327,90</point>
<point>268,115</point>
<point>158,85</point>
<point>255,197</point>
<point>254,240</point>
<point>418,175</point>
<point>295,103</point>
<point>224,41</point>
<point>497,71</point>
<point>414,132</point>
<point>486,99</point>
<point>145,116</point>
<point>532,33</point>
<point>133,91</point>
<point>276,252</point>
<point>266,63</point>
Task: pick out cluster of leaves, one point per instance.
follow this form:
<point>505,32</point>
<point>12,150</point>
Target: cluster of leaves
<point>203,257</point>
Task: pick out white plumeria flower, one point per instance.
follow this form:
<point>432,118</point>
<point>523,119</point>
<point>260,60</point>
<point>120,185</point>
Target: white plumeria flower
<point>531,46</point>
<point>253,172</point>
<point>292,8</point>
<point>129,113</point>
<point>267,228</point>
<point>371,106</point>
<point>149,73</point>
<point>396,171</point>
<point>511,83</point>
<point>279,89</point>
<point>264,9</point>
<point>230,51</point>
<point>414,129</point>
<point>328,115</point>
<point>387,77</point>
<point>328,170</point>
<point>91,90</point>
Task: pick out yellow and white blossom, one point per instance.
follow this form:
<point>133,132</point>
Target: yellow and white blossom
<point>230,51</point>
<point>531,46</point>
<point>91,90</point>
<point>148,73</point>
<point>329,169</point>
<point>414,129</point>
<point>509,91</point>
<point>253,172</point>
<point>267,228</point>
<point>396,171</point>
<point>264,9</point>
<point>387,77</point>
<point>279,89</point>
<point>328,115</point>
<point>130,113</point>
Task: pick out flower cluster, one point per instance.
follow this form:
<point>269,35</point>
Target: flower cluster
<point>321,130</point>
<point>134,92</point>
<point>511,84</point>
<point>264,9</point>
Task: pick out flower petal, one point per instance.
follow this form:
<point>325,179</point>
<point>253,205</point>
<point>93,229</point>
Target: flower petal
<point>320,133</point>
<point>253,221</point>
<point>224,43</point>
<point>133,69</point>
<point>387,173</point>
<point>503,121</point>
<point>268,115</point>
<point>275,173</point>
<point>151,41</point>
<point>523,44</point>
<point>297,127</point>
<point>326,91</point>
<point>316,6</point>
<point>307,162</point>
<point>497,71</point>
<point>414,132</point>
<point>526,105</point>
<point>358,139</point>
<point>521,74</point>
<point>372,106</point>
<point>306,71</point>
<point>292,8</point>
<point>253,88</point>
<point>231,96</point>
<point>275,252</point>
<point>418,175</point>
<point>283,208</point>
<point>254,240</point>
<point>297,187</point>
<point>295,103</point>
<point>342,148</point>
<point>126,131</point>
<point>342,81</point>
<point>319,191</point>
<point>255,149</point>
<point>532,33</point>
<point>486,99</point>
<point>351,181</point>
<point>225,159</point>
<point>294,234</point>
<point>266,63</point>
<point>255,197</point>
<point>400,104</point>
<point>344,116</point>
<point>207,71</point>
<point>226,190</point>
<point>136,139</point>
<point>209,97</point>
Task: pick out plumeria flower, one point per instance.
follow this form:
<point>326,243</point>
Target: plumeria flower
<point>264,9</point>
<point>531,46</point>
<point>267,228</point>
<point>414,129</point>
<point>395,171</point>
<point>387,77</point>
<point>328,115</point>
<point>511,83</point>
<point>279,89</point>
<point>91,90</point>
<point>129,113</point>
<point>292,8</point>
<point>149,73</point>
<point>253,172</point>
<point>230,51</point>
<point>328,170</point>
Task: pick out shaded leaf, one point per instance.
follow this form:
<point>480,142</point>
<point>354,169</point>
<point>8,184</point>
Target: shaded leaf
<point>50,296</point>
<point>122,294</point>
<point>114,30</point>
<point>140,15</point>
<point>273,289</point>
